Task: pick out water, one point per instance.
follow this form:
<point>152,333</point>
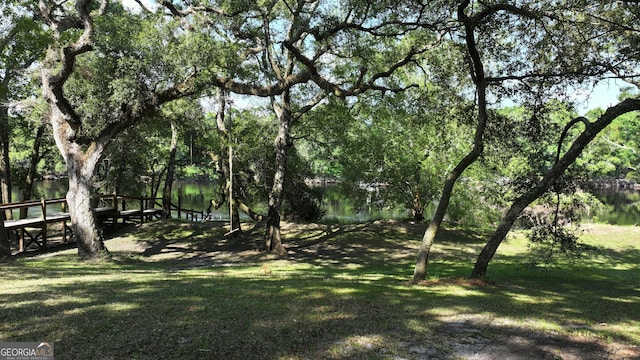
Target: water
<point>621,207</point>
<point>341,209</point>
<point>191,196</point>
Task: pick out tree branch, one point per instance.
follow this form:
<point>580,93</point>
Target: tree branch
<point>310,105</point>
<point>55,83</point>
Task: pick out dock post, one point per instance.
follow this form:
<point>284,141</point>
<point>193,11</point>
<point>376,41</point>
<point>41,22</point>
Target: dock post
<point>43,208</point>
<point>142,206</point>
<point>21,240</point>
<point>114,205</point>
<point>4,236</point>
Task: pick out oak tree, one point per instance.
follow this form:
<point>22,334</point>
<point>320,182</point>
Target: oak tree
<point>309,50</point>
<point>569,45</point>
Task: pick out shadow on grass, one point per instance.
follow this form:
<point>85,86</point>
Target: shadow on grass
<point>193,317</point>
<point>175,303</point>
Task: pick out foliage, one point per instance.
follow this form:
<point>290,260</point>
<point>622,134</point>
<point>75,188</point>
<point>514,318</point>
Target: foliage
<point>548,240</point>
<point>392,149</point>
<point>300,200</point>
<point>521,143</point>
<point>253,164</point>
<point>402,143</point>
<point>615,152</point>
<point>22,42</point>
<point>134,56</point>
<point>126,170</point>
<point>554,227</point>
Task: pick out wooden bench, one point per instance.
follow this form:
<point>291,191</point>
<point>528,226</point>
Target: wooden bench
<point>34,230</point>
<point>108,209</point>
<point>144,209</point>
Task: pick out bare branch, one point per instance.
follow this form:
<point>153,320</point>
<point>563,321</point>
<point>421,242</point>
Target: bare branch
<point>359,86</point>
<point>103,7</point>
<point>143,7</point>
<point>581,119</point>
<point>618,25</point>
<point>262,91</point>
<point>492,9</point>
<point>191,10</point>
<point>222,103</point>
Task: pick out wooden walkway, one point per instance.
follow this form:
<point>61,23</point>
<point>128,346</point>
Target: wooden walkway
<point>34,231</point>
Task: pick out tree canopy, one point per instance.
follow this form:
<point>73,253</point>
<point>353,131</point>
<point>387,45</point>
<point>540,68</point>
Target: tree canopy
<point>413,98</point>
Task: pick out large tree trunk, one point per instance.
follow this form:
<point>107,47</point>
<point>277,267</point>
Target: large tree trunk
<point>420,271</point>
<point>82,154</point>
<point>272,240</point>
<point>80,169</point>
<point>490,248</point>
<point>81,157</point>
<point>549,178</point>
<point>83,220</point>
<point>171,169</point>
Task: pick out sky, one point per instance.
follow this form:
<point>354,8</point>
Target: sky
<point>133,6</point>
<point>602,96</point>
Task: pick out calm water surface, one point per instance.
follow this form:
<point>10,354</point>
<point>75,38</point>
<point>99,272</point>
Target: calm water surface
<point>621,207</point>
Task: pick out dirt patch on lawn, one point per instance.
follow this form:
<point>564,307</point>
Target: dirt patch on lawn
<point>475,338</point>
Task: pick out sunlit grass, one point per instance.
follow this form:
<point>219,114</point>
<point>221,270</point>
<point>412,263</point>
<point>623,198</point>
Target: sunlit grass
<point>341,293</point>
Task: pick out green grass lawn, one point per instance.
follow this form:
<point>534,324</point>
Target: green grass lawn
<point>182,291</point>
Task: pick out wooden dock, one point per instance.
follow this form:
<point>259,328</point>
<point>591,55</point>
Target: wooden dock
<point>48,218</point>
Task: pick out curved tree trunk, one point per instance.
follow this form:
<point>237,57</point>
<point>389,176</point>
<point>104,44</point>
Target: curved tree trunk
<point>549,178</point>
<point>247,210</point>
<point>33,164</point>
<point>490,248</point>
<point>420,271</point>
<point>171,169</point>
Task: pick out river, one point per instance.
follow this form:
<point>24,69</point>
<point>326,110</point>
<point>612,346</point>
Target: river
<point>621,207</point>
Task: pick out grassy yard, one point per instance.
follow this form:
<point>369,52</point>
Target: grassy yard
<point>182,291</point>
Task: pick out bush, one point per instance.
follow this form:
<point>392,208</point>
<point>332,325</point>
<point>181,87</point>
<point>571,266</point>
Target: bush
<point>303,202</point>
<point>554,228</point>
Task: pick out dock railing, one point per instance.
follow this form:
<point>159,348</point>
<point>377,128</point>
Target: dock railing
<point>33,222</point>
